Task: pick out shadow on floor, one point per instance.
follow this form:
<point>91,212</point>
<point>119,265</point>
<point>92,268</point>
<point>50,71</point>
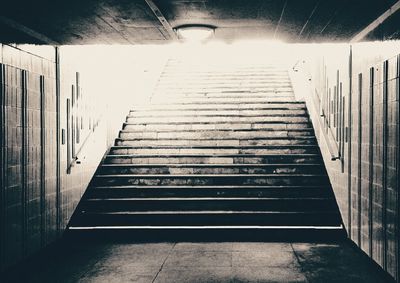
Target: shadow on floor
<point>106,261</point>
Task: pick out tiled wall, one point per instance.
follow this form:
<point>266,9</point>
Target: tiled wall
<point>356,91</point>
<point>39,190</point>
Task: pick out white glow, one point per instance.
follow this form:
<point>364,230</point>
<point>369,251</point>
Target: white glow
<point>195,33</point>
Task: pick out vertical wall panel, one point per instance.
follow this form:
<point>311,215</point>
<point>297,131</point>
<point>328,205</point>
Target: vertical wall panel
<point>370,210</point>
<point>38,196</point>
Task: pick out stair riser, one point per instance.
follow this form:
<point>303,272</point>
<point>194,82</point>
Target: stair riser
<point>124,180</point>
<point>199,83</point>
<point>220,88</point>
<point>280,219</point>
<point>271,91</point>
<point>209,119</point>
<point>213,134</point>
<point>244,76</point>
<point>185,142</point>
<point>210,160</point>
<point>207,205</point>
<point>272,112</point>
<point>224,98</point>
<point>221,126</point>
<point>278,169</point>
<point>203,96</point>
<point>210,151</point>
<point>234,87</point>
<point>282,192</point>
<point>229,83</point>
<point>223,74</point>
<point>216,106</point>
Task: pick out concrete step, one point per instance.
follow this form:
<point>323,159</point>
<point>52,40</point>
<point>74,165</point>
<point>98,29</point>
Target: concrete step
<point>215,105</point>
<point>181,75</point>
<point>208,233</point>
<point>207,204</point>
<point>272,149</point>
<point>175,97</point>
<point>223,97</point>
<point>227,86</point>
<point>272,72</point>
<point>208,218</point>
<point>221,89</point>
<point>213,134</point>
<point>211,179</point>
<point>213,159</point>
<point>132,191</point>
<point>210,126</point>
<point>178,169</point>
<point>217,119</point>
<point>200,84</point>
<point>218,112</point>
<point>306,140</point>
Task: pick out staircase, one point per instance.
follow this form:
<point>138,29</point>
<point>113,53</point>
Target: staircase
<point>221,151</point>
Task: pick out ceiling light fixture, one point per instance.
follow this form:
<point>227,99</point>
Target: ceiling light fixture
<point>195,33</point>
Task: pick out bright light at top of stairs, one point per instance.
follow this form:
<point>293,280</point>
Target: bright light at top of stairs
<point>195,33</point>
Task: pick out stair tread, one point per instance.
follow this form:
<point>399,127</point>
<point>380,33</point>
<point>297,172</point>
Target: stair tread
<point>159,115</point>
<point>213,187</point>
<point>209,165</point>
<point>229,227</point>
<point>228,138</point>
<point>206,175</point>
<point>207,199</point>
<point>221,130</point>
<point>213,155</point>
<point>215,122</point>
<point>165,212</point>
<point>215,147</point>
<point>175,108</point>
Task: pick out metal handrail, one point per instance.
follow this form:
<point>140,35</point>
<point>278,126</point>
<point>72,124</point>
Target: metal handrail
<point>75,159</point>
<point>333,149</point>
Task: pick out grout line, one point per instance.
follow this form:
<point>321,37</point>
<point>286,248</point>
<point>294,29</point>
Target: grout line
<point>300,265</point>
<point>162,265</point>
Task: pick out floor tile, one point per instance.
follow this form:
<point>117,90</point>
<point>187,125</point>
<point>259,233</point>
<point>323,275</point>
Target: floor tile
<point>199,259</point>
<point>195,275</point>
<point>268,274</point>
<point>264,259</point>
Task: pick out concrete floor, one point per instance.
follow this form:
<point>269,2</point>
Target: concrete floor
<point>202,262</point>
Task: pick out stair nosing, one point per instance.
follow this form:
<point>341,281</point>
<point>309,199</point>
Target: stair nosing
<point>220,115</point>
<point>210,187</point>
<point>222,212</point>
<point>215,155</point>
<point>281,175</point>
<point>215,122</point>
<point>221,138</point>
<point>150,108</point>
<point>208,199</point>
<point>210,165</point>
<point>290,146</point>
<point>217,130</point>
<point>189,227</point>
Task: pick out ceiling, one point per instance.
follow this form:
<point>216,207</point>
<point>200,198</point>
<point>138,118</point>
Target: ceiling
<point>133,22</point>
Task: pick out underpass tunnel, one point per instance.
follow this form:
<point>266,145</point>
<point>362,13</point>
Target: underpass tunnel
<point>227,115</point>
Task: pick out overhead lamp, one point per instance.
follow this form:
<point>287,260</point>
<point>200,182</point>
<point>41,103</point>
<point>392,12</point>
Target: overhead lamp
<point>195,33</point>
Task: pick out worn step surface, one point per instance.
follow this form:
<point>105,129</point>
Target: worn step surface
<point>213,158</point>
<point>217,141</point>
<point>174,169</point>
<point>115,191</point>
<point>218,149</point>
